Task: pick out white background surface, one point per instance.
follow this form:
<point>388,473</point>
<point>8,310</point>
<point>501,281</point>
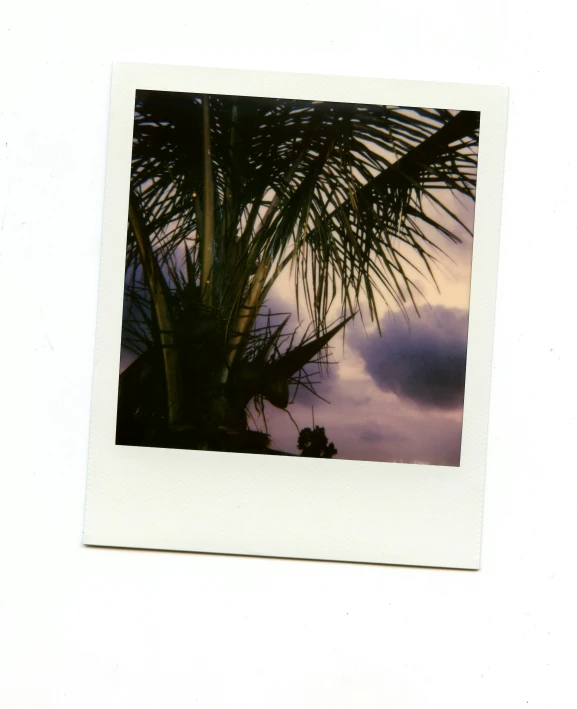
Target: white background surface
<point>87,627</point>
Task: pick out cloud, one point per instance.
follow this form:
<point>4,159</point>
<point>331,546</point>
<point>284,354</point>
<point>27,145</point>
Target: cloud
<point>388,435</point>
<point>424,362</point>
<point>385,429</point>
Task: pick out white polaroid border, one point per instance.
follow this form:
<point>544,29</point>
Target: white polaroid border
<point>285,506</point>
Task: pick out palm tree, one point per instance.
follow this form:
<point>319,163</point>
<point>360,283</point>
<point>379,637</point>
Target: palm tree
<point>229,192</point>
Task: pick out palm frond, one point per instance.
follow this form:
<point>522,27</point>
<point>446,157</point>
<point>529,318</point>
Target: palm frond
<point>227,192</point>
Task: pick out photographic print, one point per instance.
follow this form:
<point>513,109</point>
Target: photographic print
<point>288,307</point>
<point>297,277</point>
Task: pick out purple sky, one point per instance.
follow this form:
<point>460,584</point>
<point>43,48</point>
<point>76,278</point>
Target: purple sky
<point>399,397</point>
<point>396,397</point>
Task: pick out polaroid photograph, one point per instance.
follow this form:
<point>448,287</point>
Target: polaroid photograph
<point>295,316</point>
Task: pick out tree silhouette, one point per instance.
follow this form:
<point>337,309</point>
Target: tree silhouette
<point>226,194</point>
<point>314,443</point>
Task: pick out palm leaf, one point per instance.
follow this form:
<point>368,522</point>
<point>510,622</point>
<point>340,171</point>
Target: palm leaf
<point>229,191</point>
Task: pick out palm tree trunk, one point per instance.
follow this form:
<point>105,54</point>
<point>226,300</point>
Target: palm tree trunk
<point>159,297</point>
<point>249,309</point>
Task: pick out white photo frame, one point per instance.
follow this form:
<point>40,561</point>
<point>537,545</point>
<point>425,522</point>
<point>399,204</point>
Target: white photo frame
<point>341,510</point>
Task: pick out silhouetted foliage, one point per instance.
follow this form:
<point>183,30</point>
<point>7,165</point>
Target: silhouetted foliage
<point>229,192</point>
<point>314,443</point>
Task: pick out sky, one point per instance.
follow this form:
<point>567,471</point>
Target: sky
<point>398,396</point>
<point>392,393</point>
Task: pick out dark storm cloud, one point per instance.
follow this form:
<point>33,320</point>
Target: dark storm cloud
<point>424,363</point>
